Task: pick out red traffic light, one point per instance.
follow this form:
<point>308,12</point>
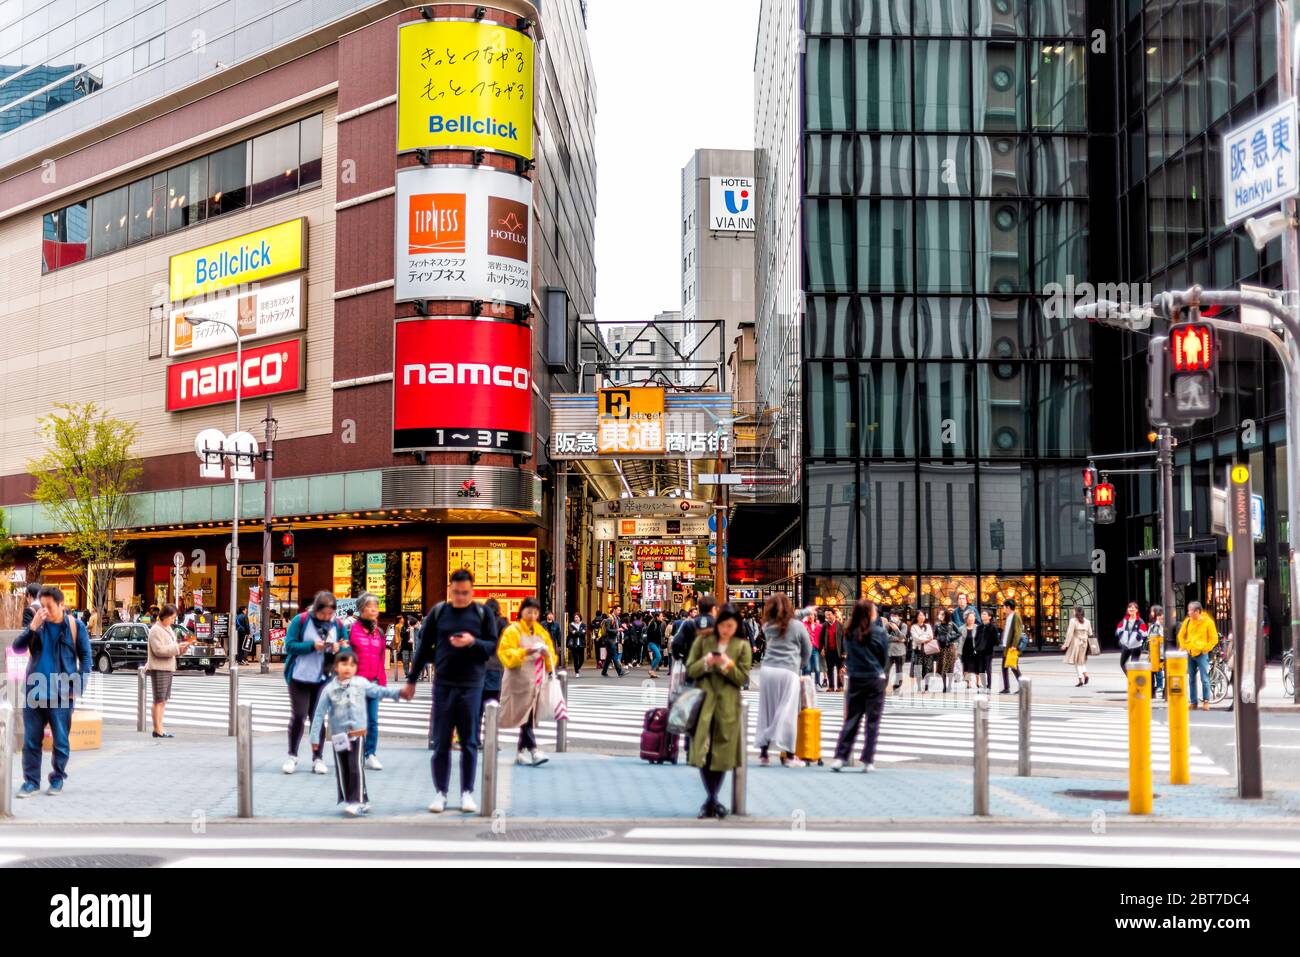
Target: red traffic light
<point>1104,494</point>
<point>1192,348</point>
<point>287,539</point>
<point>1089,477</point>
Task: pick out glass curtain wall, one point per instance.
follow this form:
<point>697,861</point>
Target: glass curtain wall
<point>945,403</point>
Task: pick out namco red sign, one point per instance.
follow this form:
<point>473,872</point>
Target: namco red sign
<point>462,384</point>
<point>267,370</point>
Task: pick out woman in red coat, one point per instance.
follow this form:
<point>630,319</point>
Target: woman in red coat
<point>370,643</point>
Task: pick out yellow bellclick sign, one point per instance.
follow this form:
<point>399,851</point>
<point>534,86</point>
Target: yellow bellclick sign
<point>235,262</point>
<point>463,84</point>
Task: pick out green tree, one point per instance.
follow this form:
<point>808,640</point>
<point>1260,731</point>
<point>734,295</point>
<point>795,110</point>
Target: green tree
<point>84,481</point>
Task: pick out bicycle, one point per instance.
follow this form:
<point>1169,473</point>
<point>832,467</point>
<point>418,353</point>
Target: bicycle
<point>1220,673</point>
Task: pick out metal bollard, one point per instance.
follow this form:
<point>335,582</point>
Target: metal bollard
<point>244,758</point>
<point>1180,769</point>
<point>740,776</point>
<point>981,756</point>
<point>562,725</point>
<point>6,757</point>
<point>233,720</point>
<point>492,717</point>
<point>141,682</point>
<point>1025,765</point>
<point>1139,738</point>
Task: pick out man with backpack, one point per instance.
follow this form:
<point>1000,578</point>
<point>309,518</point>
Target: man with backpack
<point>458,637</point>
<point>692,628</point>
<point>611,633</point>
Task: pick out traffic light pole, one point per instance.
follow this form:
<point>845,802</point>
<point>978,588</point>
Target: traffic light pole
<point>1286,87</point>
<point>1165,461</point>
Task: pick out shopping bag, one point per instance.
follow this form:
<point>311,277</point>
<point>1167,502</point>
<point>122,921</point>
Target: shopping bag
<point>551,705</point>
<point>685,711</point>
<point>807,693</point>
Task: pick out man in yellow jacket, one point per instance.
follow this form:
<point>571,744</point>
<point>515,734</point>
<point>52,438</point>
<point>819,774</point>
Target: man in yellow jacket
<point>1198,637</point>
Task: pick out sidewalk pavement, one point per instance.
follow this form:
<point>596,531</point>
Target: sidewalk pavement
<point>190,781</point>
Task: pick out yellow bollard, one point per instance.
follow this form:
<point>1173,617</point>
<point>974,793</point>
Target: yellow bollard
<point>1154,650</point>
<point>1139,738</point>
<point>1180,769</point>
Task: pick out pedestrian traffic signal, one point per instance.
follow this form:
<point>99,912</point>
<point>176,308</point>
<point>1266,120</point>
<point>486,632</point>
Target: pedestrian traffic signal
<point>1191,387</point>
<point>1089,482</point>
<point>1103,497</point>
<point>286,540</point>
<point>1104,494</point>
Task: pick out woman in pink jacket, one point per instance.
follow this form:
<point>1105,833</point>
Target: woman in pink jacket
<point>369,643</point>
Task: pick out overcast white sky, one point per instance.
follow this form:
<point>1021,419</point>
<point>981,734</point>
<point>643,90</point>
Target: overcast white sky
<point>672,76</point>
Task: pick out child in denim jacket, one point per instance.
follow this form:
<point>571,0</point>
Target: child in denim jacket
<point>344,701</point>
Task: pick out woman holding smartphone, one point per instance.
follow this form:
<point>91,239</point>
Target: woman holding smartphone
<point>718,665</point>
<point>163,652</point>
<point>527,655</point>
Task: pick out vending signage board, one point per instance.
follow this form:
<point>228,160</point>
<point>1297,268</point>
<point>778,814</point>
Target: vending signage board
<point>258,313</point>
<point>462,384</point>
<point>273,369</point>
<point>463,233</point>
<point>464,84</point>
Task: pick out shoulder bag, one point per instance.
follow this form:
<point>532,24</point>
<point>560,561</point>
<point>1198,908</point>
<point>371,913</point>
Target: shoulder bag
<point>684,714</point>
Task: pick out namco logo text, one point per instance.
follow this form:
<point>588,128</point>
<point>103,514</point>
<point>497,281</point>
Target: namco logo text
<point>466,373</point>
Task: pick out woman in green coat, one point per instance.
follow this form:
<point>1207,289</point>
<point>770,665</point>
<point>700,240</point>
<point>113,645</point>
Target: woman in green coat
<point>719,666</point>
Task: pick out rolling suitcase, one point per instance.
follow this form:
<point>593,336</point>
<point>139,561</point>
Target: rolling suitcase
<point>657,744</point>
<point>808,740</point>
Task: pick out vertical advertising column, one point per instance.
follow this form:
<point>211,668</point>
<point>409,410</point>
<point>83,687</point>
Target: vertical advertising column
<point>462,269</point>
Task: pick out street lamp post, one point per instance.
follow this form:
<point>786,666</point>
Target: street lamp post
<point>268,568</point>
<point>232,641</point>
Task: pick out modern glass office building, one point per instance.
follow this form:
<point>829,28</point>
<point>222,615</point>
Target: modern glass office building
<point>941,183</point>
<point>1190,71</point>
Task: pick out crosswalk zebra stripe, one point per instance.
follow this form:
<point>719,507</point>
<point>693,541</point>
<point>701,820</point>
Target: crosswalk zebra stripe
<point>600,715</point>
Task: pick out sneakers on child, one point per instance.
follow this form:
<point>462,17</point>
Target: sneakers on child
<point>318,766</point>
<point>438,804</point>
<point>372,763</point>
<point>467,802</point>
<point>538,757</point>
<point>290,765</point>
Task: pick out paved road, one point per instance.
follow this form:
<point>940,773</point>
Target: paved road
<point>574,844</point>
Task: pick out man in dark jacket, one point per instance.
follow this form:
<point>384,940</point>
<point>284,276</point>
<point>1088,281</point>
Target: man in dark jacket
<point>33,602</point>
<point>692,628</point>
<point>611,633</point>
<point>59,649</point>
<point>556,631</point>
<point>866,651</point>
<point>458,637</point>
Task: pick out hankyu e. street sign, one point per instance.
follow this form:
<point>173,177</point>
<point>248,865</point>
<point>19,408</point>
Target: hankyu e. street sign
<point>1259,163</point>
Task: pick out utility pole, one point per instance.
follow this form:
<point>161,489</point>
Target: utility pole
<point>720,551</point>
<point>268,567</point>
<point>1286,88</point>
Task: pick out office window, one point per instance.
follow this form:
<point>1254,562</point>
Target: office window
<point>311,143</point>
<point>942,85</point>
<point>141,209</point>
<point>228,179</point>
<point>884,91</point>
<point>275,163</point>
<point>832,507</point>
<point>65,236</point>
<point>827,82</point>
<point>187,194</point>
<point>108,217</point>
<point>884,246</point>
